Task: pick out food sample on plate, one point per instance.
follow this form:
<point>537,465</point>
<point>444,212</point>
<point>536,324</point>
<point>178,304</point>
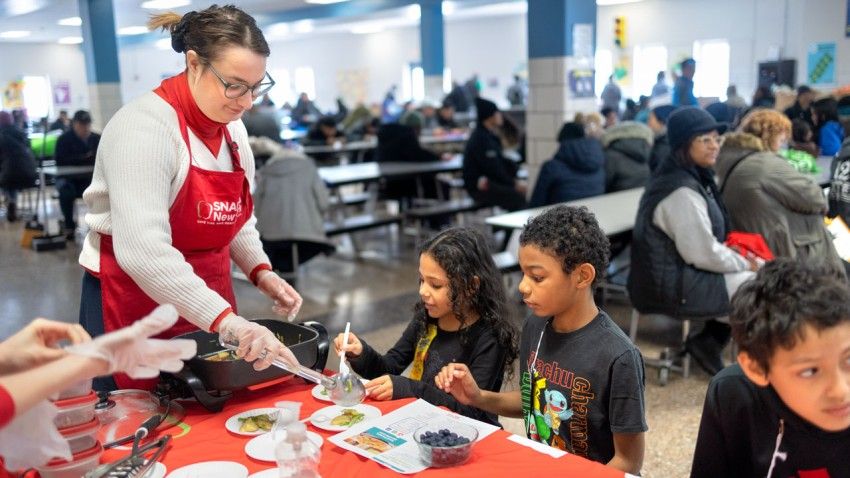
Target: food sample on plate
<point>255,423</point>
<point>347,418</point>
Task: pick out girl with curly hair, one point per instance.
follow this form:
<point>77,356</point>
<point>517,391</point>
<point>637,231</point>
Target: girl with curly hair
<point>462,316</point>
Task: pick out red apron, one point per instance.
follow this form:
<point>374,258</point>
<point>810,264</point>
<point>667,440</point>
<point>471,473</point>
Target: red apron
<point>210,209</point>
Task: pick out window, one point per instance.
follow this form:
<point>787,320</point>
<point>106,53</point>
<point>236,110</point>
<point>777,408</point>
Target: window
<point>412,83</point>
<point>604,64</point>
<point>447,77</point>
<point>282,90</point>
<point>37,97</point>
<point>648,61</point>
<point>712,74</point>
<point>305,81</point>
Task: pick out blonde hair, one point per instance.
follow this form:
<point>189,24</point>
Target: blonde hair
<point>767,125</point>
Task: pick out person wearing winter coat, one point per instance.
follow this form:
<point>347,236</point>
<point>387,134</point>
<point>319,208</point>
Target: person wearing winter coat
<point>764,194</point>
<point>657,122</point>
<point>290,200</point>
<point>628,146</point>
<point>839,188</point>
<point>17,165</point>
<point>576,171</point>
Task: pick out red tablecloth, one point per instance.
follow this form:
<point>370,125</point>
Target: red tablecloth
<point>494,456</point>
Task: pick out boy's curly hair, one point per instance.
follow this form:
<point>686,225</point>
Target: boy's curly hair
<point>771,310</point>
<point>572,235</point>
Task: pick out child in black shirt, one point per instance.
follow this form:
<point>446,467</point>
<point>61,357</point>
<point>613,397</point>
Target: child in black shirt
<point>582,380</point>
<point>784,409</point>
<point>462,316</point>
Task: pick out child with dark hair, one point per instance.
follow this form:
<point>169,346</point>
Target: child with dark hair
<point>830,134</point>
<point>802,137</point>
<point>784,409</point>
<point>582,379</point>
<point>462,316</point>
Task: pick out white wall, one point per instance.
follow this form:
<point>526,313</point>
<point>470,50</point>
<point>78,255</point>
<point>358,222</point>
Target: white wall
<point>753,28</point>
<point>143,67</point>
<point>58,62</point>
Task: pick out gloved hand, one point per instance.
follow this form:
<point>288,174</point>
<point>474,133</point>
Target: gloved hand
<point>287,302</point>
<point>131,351</point>
<point>256,343</point>
<point>31,439</point>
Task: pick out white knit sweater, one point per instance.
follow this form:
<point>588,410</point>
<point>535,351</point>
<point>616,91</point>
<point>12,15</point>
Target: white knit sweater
<point>141,164</point>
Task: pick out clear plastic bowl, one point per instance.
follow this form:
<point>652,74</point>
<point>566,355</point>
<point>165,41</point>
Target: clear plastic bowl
<point>445,456</point>
<point>79,389</point>
<point>75,411</point>
<point>81,437</point>
<point>82,463</point>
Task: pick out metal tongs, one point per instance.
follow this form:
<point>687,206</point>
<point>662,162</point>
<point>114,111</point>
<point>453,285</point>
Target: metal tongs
<point>135,465</point>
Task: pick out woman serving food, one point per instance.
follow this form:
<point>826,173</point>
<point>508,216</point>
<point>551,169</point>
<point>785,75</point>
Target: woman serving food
<point>170,203</point>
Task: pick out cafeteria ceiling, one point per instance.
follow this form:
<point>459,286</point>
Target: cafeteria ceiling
<point>38,21</point>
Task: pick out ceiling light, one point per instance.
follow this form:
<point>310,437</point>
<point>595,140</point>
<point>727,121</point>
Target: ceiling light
<point>165,4</point>
<point>324,2</point>
<point>448,7</point>
<point>366,28</point>
<point>71,40</point>
<point>163,44</point>
<point>15,34</point>
<point>413,12</point>
<point>303,26</point>
<point>133,30</point>
<point>71,22</point>
<point>614,2</point>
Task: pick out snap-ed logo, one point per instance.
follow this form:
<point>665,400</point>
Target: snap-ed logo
<point>219,212</point>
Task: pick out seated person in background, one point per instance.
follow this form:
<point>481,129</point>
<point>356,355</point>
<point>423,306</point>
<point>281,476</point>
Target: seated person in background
<point>33,368</point>
<point>628,147</point>
<point>839,188</point>
<point>680,266</point>
<point>488,176</point>
<point>722,113</point>
<point>610,116</point>
<point>62,122</point>
<point>581,384</point>
<point>323,133</point>
<point>657,122</point>
<point>446,117</point>
<point>763,98</point>
<point>429,116</point>
<point>260,121</point>
<point>802,137</point>
<point>576,171</point>
<point>802,108</point>
<point>592,123</point>
<point>513,139</point>
<point>784,408</point>
<point>462,315</point>
<point>76,147</point>
<point>305,111</point>
<point>400,142</point>
<point>764,194</point>
<point>733,99</point>
<point>290,200</point>
<point>829,131</point>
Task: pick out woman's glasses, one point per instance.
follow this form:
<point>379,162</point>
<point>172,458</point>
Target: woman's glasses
<point>709,139</point>
<point>237,90</point>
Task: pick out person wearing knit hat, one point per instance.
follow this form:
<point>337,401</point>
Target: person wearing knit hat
<point>489,177</point>
<point>17,165</point>
<point>680,265</point>
<point>657,122</point>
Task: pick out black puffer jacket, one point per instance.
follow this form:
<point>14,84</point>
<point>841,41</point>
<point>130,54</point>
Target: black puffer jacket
<point>628,146</point>
<point>17,164</point>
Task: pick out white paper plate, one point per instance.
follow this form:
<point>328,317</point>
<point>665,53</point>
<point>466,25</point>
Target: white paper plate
<point>316,392</point>
<point>157,471</point>
<point>322,417</point>
<point>232,424</point>
<point>211,469</point>
<point>270,473</point>
<point>262,447</point>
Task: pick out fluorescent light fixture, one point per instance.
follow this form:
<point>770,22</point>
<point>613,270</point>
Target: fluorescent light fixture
<point>367,28</point>
<point>71,22</point>
<point>448,7</point>
<point>303,26</point>
<point>278,29</point>
<point>15,34</point>
<point>70,40</point>
<point>602,3</point>
<point>163,44</point>
<point>413,12</point>
<point>133,30</point>
<point>324,2</point>
<point>165,4</point>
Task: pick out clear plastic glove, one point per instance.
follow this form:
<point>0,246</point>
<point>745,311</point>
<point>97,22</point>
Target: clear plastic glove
<point>31,439</point>
<point>256,343</point>
<point>131,350</point>
<point>287,302</point>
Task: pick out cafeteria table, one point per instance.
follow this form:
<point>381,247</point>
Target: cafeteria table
<point>204,438</point>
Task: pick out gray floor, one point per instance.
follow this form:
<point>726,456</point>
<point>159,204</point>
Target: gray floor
<point>376,295</point>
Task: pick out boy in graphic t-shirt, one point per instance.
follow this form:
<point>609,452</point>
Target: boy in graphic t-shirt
<point>581,378</point>
<point>784,409</point>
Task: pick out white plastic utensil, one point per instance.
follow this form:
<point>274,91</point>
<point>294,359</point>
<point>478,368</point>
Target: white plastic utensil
<point>343,367</point>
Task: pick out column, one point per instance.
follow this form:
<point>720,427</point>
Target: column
<point>561,44</point>
<point>100,47</point>
<point>431,39</point>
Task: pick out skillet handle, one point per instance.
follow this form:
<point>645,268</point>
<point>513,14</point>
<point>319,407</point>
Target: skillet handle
<point>322,345</point>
